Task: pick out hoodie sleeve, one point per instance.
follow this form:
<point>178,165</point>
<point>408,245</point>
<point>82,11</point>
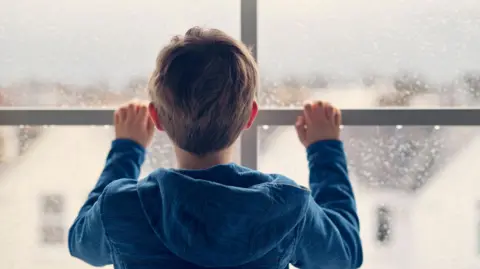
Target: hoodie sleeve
<point>330,237</point>
<point>87,239</point>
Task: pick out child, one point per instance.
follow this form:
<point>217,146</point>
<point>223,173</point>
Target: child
<point>210,212</point>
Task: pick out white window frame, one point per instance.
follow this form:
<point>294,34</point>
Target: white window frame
<point>267,116</point>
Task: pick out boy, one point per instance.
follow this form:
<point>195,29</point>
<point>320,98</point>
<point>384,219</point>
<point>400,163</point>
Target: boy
<point>211,213</point>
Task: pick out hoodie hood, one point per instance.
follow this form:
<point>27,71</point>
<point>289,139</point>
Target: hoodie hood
<point>224,216</point>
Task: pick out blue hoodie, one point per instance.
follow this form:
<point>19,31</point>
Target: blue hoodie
<point>227,216</point>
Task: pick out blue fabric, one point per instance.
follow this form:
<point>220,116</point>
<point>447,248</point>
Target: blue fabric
<point>227,216</point>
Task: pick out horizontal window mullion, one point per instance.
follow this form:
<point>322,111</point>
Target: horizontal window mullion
<point>27,116</point>
<point>361,117</point>
<point>383,117</point>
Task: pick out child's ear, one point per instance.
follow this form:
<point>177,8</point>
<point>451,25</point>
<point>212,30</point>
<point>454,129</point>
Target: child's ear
<point>154,116</point>
<point>253,114</point>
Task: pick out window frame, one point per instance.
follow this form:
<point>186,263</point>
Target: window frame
<point>52,229</point>
<point>383,234</point>
<point>267,116</point>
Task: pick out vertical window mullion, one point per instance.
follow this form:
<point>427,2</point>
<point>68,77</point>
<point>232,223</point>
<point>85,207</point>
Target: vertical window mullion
<point>248,24</point>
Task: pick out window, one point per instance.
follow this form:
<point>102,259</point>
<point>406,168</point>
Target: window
<point>395,191</point>
<point>384,55</point>
<point>63,59</point>
<point>384,225</point>
<point>52,226</point>
<point>388,47</point>
<point>53,234</point>
<point>53,204</point>
<point>43,189</point>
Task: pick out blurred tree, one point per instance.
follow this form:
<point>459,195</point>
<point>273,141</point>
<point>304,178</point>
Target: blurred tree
<point>447,94</point>
<point>137,82</point>
<point>3,98</point>
<point>94,94</point>
<point>136,87</point>
<point>472,81</point>
<point>66,94</point>
<point>292,91</point>
<point>292,82</point>
<point>292,96</point>
<point>369,80</point>
<point>317,81</point>
<point>394,99</point>
<point>410,84</point>
<point>34,84</point>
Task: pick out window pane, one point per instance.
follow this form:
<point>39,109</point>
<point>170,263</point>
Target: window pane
<point>423,181</point>
<point>43,186</point>
<point>93,52</point>
<point>46,174</point>
<point>371,53</point>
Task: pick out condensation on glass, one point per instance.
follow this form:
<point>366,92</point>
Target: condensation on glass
<point>93,53</point>
<point>45,179</point>
<point>409,53</point>
<point>416,187</point>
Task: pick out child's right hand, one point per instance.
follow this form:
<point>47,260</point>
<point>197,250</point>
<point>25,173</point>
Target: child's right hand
<point>320,121</point>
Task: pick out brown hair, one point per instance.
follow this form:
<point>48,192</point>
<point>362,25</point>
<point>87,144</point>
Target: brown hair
<point>203,88</point>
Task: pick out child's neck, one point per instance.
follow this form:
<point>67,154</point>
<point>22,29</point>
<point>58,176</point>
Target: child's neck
<point>189,161</point>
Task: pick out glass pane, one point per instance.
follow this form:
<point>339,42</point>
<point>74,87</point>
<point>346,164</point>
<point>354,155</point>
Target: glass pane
<point>93,52</point>
<point>417,190</point>
<point>370,53</point>
<point>45,176</point>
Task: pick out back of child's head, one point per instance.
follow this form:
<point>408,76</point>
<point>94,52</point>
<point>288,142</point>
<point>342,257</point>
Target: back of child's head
<point>203,89</point>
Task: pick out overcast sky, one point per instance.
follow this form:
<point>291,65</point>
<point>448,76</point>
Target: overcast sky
<point>82,41</point>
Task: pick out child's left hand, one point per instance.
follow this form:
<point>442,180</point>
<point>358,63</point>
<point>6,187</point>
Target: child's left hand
<point>132,121</point>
